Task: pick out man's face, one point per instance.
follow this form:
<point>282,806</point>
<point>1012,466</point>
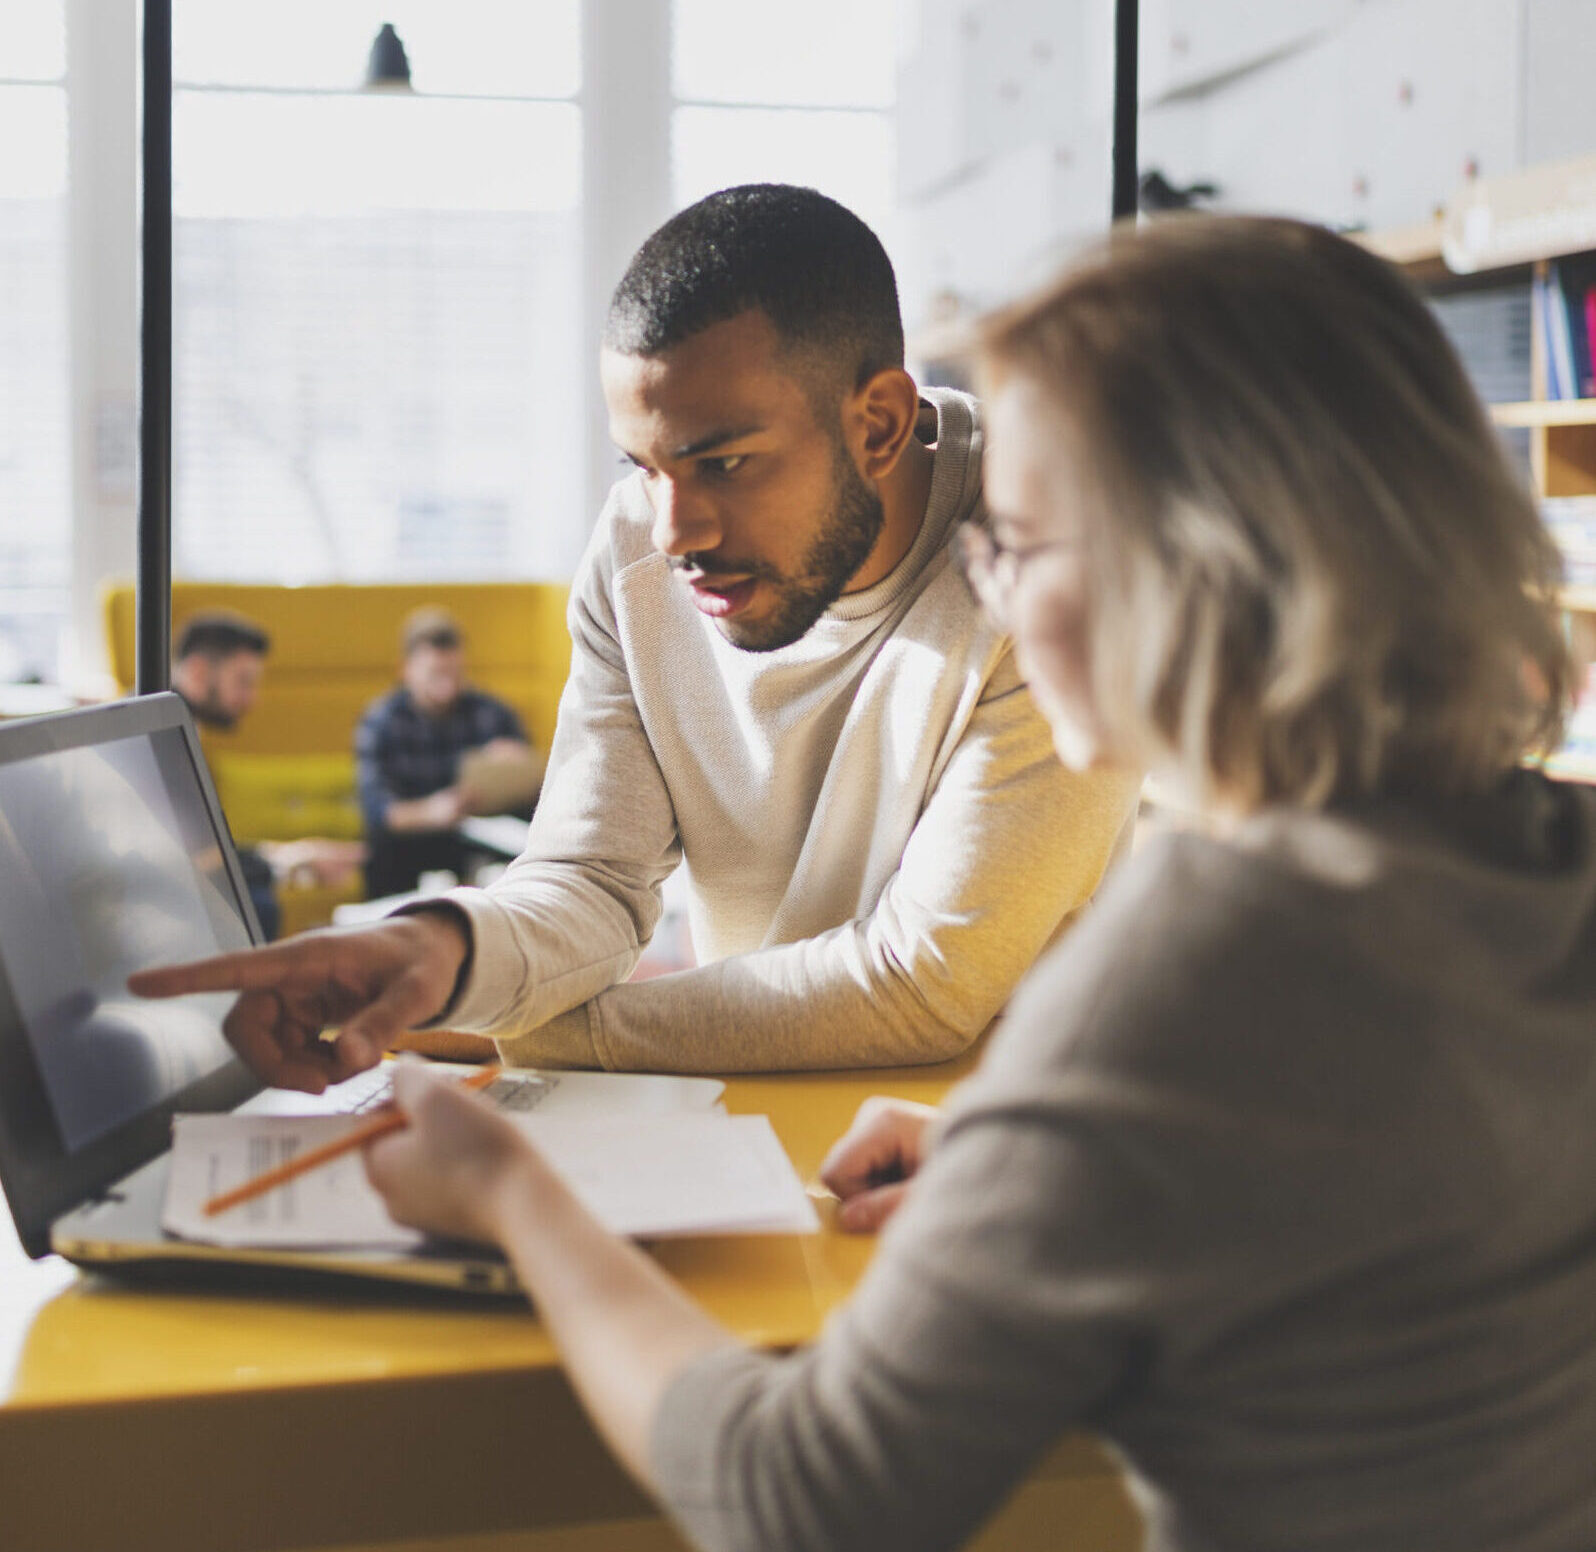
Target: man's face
<point>759,506</point>
<point>434,676</point>
<point>220,690</point>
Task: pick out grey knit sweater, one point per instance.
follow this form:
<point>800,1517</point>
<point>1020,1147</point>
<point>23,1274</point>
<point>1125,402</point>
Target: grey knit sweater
<point>1281,1176</point>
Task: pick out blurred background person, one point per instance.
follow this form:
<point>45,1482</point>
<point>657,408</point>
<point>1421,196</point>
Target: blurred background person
<point>217,667</point>
<point>218,664</point>
<point>431,752</point>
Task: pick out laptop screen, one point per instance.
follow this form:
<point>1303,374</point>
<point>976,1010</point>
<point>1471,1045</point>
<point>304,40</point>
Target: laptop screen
<point>111,864</point>
<point>113,856</point>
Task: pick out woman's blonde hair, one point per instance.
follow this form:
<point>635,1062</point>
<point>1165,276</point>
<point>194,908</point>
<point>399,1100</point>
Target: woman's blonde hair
<point>1315,573</point>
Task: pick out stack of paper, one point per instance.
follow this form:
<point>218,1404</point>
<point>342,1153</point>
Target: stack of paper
<point>649,1176</point>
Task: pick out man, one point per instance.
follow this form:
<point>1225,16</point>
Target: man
<point>217,667</point>
<point>778,676</point>
<point>428,753</point>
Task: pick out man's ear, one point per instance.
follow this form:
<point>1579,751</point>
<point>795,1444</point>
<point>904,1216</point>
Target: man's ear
<point>879,419</point>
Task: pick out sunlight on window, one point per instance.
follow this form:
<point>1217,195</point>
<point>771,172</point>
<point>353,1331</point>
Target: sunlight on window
<point>513,48</point>
<point>258,155</point>
<point>32,41</point>
<point>375,336</point>
<point>35,117</point>
<point>35,455</point>
<point>846,155</point>
<point>826,54</point>
<point>771,96</point>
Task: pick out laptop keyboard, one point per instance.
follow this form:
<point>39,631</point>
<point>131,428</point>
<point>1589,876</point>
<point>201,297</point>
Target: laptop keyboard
<point>517,1092</point>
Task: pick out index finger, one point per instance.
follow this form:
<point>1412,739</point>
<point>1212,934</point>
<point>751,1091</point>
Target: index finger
<point>249,969</point>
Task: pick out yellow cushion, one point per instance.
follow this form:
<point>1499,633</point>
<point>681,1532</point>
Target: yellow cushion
<point>335,649</point>
<point>303,906</point>
<point>287,770</point>
<point>280,797</point>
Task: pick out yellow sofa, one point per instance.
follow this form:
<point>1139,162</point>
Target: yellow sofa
<point>288,769</point>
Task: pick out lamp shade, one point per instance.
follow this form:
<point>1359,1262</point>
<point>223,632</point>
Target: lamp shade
<point>388,69</point>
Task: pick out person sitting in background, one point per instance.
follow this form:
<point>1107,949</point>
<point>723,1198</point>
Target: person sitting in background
<point>1281,1172</point>
<point>429,753</point>
<point>217,666</point>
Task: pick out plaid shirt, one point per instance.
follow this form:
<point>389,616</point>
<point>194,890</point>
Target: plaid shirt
<point>401,753</point>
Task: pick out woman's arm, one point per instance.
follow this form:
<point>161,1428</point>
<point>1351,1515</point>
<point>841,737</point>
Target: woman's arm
<point>624,1328</point>
<point>926,1399</point>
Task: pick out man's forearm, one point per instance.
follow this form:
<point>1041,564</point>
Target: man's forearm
<point>841,1000</point>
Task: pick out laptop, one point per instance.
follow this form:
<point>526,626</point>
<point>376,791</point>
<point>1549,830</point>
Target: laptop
<point>115,856</point>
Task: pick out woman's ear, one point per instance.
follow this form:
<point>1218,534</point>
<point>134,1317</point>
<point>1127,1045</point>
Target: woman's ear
<point>879,419</point>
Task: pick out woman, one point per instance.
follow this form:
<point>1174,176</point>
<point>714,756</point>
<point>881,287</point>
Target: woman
<point>1281,1175</point>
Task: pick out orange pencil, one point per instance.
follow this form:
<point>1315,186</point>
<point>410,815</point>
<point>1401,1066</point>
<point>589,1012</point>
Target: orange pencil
<point>386,1120</point>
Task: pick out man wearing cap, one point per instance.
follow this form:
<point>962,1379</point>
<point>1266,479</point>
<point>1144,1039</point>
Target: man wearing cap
<point>409,749</point>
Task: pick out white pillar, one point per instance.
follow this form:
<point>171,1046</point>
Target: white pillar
<point>102,223</point>
<point>626,178</point>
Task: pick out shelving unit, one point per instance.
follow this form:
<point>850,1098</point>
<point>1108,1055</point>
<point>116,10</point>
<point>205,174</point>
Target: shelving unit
<point>1546,412</point>
<point>1563,463</point>
<point>1513,227</point>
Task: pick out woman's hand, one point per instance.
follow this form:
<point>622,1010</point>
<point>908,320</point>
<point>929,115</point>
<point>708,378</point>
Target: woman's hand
<point>453,1169</point>
<point>870,1166</point>
<point>625,1329</point>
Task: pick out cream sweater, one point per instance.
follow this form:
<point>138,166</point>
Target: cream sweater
<point>878,835</point>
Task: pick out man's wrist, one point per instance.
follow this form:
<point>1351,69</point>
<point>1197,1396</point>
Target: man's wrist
<point>457,924</point>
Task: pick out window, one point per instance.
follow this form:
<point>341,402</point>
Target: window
<point>374,336</point>
<point>35,441</point>
<point>816,110</point>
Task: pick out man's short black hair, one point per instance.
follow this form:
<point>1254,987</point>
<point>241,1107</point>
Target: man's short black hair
<point>811,266</point>
<point>219,635</point>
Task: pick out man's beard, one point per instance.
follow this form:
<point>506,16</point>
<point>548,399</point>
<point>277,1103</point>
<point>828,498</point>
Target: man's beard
<point>840,548</point>
<point>209,712</point>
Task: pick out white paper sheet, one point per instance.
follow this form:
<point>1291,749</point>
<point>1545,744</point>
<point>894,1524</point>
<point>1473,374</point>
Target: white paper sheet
<point>648,1176</point>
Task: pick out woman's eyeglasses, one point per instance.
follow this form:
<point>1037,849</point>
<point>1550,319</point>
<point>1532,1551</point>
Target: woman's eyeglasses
<point>992,569</point>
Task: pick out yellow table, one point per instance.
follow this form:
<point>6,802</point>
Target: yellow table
<point>132,1418</point>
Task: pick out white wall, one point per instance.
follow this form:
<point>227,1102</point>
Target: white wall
<point>1355,112</point>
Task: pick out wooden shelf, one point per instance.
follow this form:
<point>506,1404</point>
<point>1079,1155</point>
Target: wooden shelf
<point>1499,223</point>
<point>1546,412</point>
<point>1416,244</point>
<point>1414,249</point>
<point>1520,217</point>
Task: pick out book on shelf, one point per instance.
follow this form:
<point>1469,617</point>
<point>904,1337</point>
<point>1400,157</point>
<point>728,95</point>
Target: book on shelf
<point>1572,523</point>
<point>1565,312</point>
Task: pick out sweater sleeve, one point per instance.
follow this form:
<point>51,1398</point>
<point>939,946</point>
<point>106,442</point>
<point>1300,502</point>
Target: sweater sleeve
<point>571,914</point>
<point>1082,1226</point>
<point>986,1325</point>
<point>1008,847</point>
